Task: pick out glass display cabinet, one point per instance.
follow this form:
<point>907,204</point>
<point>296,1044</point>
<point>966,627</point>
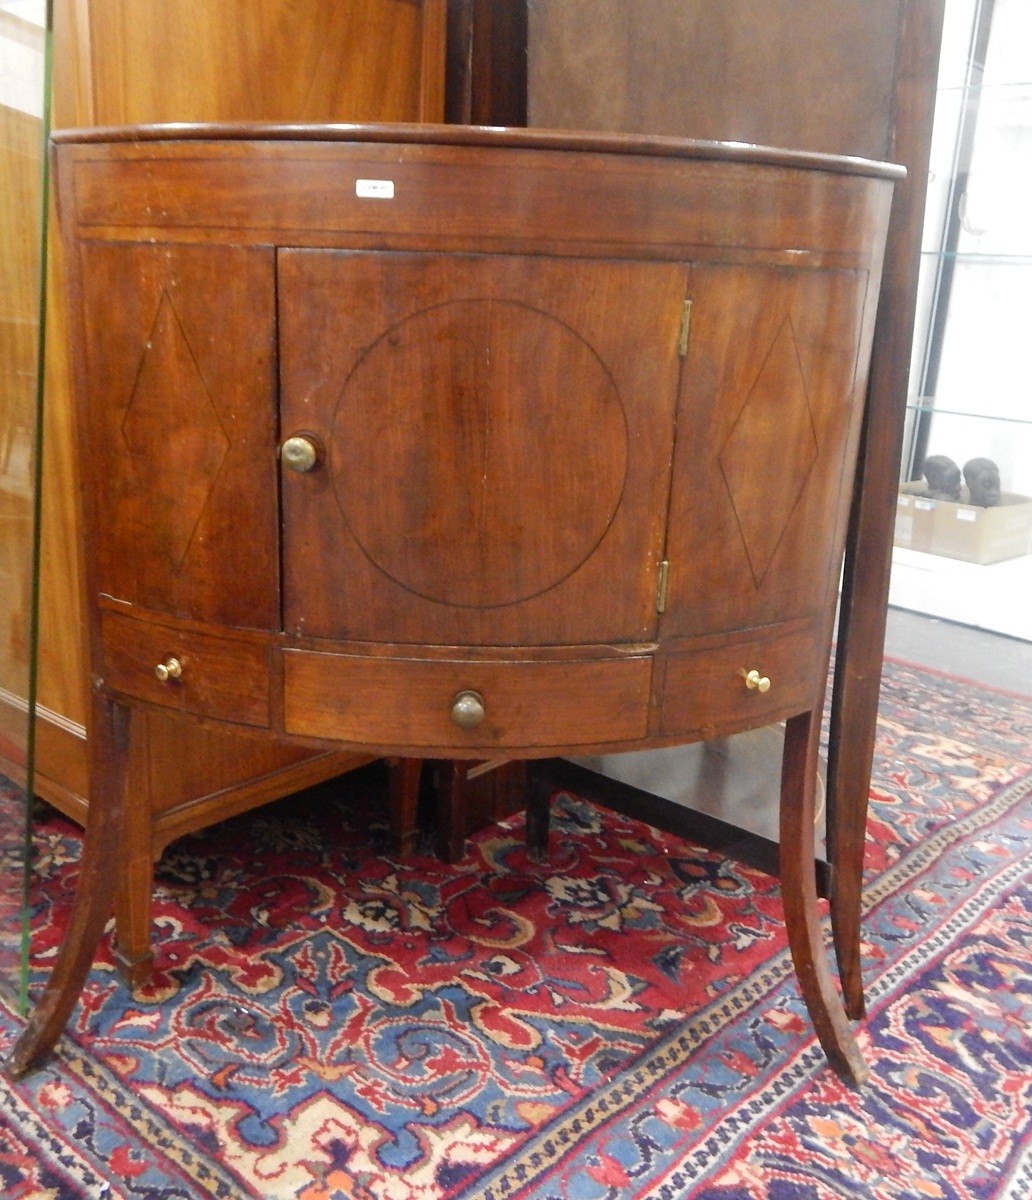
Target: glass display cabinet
<point>960,561</point>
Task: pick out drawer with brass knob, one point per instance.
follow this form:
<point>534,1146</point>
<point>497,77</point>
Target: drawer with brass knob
<point>465,707</point>
<point>743,683</point>
<point>187,670</point>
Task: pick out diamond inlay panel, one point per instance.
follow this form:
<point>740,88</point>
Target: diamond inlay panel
<point>178,448</point>
<point>776,412</point>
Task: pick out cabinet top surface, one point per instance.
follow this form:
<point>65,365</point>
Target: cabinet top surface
<point>484,136</point>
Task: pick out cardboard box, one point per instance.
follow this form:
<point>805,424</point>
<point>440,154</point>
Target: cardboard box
<point>964,531</point>
<point>915,516</point>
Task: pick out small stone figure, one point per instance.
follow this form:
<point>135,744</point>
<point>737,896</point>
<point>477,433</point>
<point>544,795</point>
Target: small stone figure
<point>982,477</point>
<point>943,477</point>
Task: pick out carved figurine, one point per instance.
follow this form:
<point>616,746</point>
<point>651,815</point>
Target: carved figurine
<point>943,477</point>
<point>982,477</point>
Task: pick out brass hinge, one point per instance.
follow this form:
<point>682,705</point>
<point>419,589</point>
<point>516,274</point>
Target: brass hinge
<point>661,591</point>
<point>686,321</point>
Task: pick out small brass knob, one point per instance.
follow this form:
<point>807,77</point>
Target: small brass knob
<point>171,668</point>
<point>468,710</point>
<point>299,453</point>
<point>756,682</point>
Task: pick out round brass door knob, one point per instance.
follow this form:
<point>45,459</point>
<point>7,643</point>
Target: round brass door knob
<point>756,682</point>
<point>468,710</point>
<point>299,453</point>
<point>171,668</point>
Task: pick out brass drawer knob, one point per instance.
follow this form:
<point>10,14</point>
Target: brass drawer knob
<point>299,453</point>
<point>171,668</point>
<point>756,682</point>
<point>468,710</point>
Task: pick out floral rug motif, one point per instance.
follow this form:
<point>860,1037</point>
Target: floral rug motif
<point>329,1021</point>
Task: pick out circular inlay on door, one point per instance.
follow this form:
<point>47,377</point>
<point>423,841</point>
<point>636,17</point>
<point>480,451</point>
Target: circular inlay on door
<point>479,452</point>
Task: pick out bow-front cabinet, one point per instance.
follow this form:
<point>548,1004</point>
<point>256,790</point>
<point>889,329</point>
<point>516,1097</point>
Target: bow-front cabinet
<point>467,444</point>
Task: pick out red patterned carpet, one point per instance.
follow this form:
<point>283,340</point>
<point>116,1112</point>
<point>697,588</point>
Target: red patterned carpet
<point>330,1022</point>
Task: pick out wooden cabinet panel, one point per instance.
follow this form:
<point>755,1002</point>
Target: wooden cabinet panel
<point>296,181</point>
<point>21,173</point>
<point>185,438</point>
<point>498,512</point>
<point>767,425</point>
<point>527,705</point>
<point>795,73</point>
<point>269,60</point>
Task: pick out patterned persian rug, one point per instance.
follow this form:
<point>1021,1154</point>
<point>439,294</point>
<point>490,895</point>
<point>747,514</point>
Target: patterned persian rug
<point>327,1021</point>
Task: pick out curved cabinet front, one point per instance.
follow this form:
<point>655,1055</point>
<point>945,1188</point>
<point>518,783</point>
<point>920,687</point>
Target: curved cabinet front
<point>464,443</point>
<point>375,418</point>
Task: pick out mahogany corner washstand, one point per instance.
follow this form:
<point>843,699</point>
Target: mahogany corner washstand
<point>444,442</point>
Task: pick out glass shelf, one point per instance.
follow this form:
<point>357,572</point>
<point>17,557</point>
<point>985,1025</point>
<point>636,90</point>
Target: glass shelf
<point>1006,439</point>
<point>960,561</point>
<point>978,257</point>
<point>930,406</point>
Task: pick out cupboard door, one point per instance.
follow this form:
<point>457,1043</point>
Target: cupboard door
<point>496,434</point>
<point>180,441</point>
<point>767,428</point>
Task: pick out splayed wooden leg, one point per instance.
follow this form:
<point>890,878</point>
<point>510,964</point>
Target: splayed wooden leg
<point>799,889</point>
<point>94,898</point>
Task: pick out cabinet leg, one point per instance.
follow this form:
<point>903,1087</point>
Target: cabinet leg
<point>539,805</point>
<point>133,897</point>
<point>134,892</point>
<point>473,794</point>
<point>403,778</point>
<point>851,749</point>
<point>94,897</point>
<point>799,889</point>
<point>846,853</point>
<point>452,781</point>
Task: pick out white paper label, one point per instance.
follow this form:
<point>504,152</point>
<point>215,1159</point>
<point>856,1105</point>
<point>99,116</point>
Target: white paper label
<point>375,189</point>
<point>924,505</point>
<point>966,514</point>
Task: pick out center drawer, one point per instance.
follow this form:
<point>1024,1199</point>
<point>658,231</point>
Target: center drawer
<point>392,702</point>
